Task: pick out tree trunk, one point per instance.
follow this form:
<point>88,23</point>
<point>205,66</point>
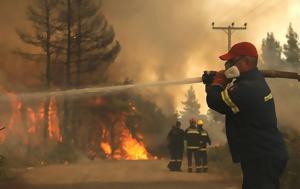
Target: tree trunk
<point>48,68</point>
<point>66,119</point>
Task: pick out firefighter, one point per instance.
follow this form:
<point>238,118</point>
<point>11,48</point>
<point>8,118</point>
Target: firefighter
<point>204,140</point>
<point>251,124</point>
<point>176,146</point>
<point>192,136</point>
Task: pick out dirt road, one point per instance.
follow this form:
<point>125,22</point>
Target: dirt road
<point>110,174</point>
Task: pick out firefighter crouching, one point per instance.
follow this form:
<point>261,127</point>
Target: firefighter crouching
<point>192,136</point>
<point>202,152</point>
<point>176,147</point>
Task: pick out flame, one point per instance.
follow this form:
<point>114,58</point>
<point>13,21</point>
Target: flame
<point>105,145</point>
<point>32,121</point>
<point>106,148</point>
<point>125,145</point>
<point>134,149</point>
<point>129,147</point>
<point>29,131</point>
<point>53,121</point>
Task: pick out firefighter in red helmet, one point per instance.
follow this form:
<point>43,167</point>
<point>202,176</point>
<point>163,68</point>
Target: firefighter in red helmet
<point>251,124</point>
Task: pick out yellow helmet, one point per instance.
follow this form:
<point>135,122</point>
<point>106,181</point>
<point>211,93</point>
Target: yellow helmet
<point>199,122</point>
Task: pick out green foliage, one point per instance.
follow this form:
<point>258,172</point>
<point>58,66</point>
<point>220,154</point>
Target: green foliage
<point>291,49</point>
<point>191,107</point>
<point>271,51</point>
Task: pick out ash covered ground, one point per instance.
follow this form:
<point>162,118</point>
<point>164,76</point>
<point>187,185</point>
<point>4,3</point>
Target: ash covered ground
<point>102,174</point>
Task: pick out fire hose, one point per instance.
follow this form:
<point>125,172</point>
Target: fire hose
<point>118,88</point>
<point>280,74</point>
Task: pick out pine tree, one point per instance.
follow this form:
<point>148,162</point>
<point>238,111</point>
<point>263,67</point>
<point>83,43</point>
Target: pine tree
<point>88,47</point>
<point>271,51</point>
<point>42,14</point>
<point>191,107</point>
<point>92,41</point>
<point>291,49</point>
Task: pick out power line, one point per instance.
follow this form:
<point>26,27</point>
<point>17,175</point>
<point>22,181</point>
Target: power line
<point>229,30</point>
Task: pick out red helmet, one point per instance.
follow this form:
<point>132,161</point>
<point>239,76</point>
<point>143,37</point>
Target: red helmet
<point>192,121</point>
<point>240,49</point>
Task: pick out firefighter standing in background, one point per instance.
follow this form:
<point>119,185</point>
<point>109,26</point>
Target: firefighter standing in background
<point>204,140</point>
<point>176,147</point>
<point>251,124</point>
<point>192,136</point>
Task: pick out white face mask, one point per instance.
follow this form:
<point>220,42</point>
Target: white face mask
<point>232,72</point>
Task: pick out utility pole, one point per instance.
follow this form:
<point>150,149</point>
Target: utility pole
<point>229,31</point>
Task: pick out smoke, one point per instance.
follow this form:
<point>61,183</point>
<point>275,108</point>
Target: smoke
<point>286,94</point>
<point>173,39</point>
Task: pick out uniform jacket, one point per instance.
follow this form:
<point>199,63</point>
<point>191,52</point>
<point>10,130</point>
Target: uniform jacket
<point>192,136</point>
<point>176,138</point>
<point>251,123</point>
<point>204,138</point>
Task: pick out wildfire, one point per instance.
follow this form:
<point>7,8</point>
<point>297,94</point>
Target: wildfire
<point>128,147</point>
<point>53,127</point>
<point>27,126</point>
<point>27,122</point>
<point>32,121</point>
<point>106,148</point>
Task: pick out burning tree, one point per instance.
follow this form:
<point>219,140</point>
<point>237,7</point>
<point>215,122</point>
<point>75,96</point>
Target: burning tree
<point>42,15</point>
<point>77,45</point>
<point>74,37</point>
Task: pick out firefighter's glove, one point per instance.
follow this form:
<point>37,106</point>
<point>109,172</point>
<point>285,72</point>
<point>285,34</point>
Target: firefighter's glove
<point>220,79</point>
<point>208,77</point>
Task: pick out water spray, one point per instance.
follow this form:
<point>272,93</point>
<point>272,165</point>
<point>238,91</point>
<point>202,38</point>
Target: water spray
<point>76,93</point>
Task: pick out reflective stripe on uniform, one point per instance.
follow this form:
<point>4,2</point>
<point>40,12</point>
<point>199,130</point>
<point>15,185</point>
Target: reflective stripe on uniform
<point>205,166</point>
<point>229,102</point>
<point>193,131</point>
<point>204,134</point>
<point>172,160</point>
<point>193,147</point>
<point>269,97</point>
<point>202,149</point>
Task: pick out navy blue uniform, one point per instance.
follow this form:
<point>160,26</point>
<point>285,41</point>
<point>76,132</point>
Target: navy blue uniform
<point>192,136</point>
<point>176,146</point>
<point>204,140</point>
<point>251,128</point>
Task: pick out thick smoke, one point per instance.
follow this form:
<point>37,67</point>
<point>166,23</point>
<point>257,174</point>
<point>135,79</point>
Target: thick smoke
<point>173,39</point>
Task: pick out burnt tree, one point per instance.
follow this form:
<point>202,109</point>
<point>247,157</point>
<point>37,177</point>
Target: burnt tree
<point>89,47</point>
<point>42,14</point>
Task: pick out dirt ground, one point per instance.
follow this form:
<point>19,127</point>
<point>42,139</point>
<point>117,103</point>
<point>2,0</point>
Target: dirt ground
<point>111,174</point>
